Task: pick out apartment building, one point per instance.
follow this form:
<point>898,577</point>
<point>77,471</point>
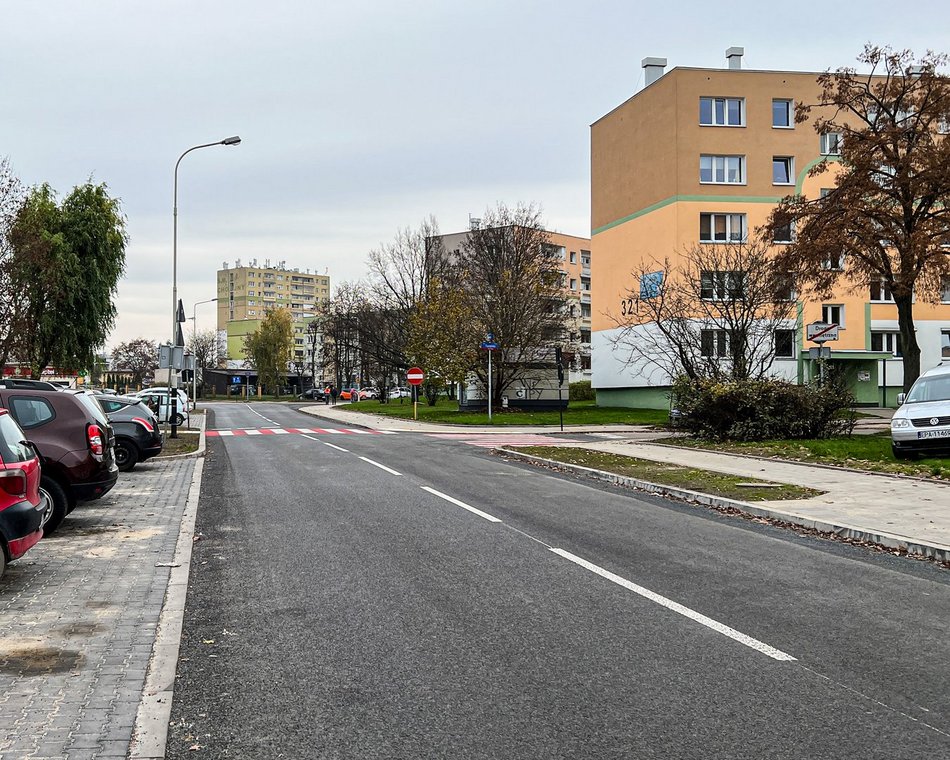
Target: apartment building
<point>703,156</point>
<point>247,292</point>
<point>573,255</point>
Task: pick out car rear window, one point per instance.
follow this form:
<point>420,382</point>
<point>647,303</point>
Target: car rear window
<point>93,407</point>
<point>12,446</point>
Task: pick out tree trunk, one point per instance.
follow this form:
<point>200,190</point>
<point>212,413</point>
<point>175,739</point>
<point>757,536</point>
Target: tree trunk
<point>909,346</point>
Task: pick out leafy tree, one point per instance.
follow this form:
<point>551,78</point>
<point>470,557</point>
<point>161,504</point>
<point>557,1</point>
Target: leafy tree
<point>714,314</point>
<point>509,281</point>
<point>443,338</point>
<point>12,300</point>
<point>138,356</point>
<point>888,213</point>
<point>270,348</point>
<point>66,261</point>
<point>204,346</point>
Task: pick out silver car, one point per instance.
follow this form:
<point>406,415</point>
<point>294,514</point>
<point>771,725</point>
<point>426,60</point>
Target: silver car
<point>921,425</point>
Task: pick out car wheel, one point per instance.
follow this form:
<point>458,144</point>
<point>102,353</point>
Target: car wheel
<point>126,454</point>
<point>178,419</point>
<point>3,561</point>
<point>57,504</point>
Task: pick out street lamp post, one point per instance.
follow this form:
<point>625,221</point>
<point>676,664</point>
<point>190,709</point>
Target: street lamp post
<point>173,377</point>
<point>194,338</point>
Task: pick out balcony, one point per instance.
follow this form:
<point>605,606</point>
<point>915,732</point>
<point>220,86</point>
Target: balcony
<point>585,297</point>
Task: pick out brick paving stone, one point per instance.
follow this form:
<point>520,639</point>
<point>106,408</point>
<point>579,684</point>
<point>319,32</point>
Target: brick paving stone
<point>78,616</point>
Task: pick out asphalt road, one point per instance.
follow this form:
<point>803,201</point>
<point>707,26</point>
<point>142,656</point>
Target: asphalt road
<point>339,609</point>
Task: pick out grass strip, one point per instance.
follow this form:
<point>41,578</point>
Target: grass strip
<point>859,452</point>
<point>184,444</point>
<point>577,413</point>
<point>661,473</point>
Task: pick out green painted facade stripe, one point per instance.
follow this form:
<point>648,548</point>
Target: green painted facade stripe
<point>688,199</point>
<point>867,327</point>
<point>809,166</point>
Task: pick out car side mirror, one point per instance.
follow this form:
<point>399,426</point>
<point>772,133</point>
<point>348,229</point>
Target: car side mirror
<point>900,398</point>
<point>34,447</point>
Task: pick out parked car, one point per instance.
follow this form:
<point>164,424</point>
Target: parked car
<point>75,442</point>
<point>159,401</point>
<point>136,427</point>
<point>368,393</point>
<point>921,424</point>
<point>317,394</point>
<point>400,392</point>
<point>350,394</point>
<point>23,382</point>
<point>22,507</point>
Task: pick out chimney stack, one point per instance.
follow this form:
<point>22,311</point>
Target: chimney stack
<point>734,56</point>
<point>652,69</point>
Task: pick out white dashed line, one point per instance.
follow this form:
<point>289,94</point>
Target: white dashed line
<point>380,466</point>
<point>725,630</point>
<point>462,504</point>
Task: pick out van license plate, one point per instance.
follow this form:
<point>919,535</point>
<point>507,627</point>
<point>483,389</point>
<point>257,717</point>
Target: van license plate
<point>933,434</point>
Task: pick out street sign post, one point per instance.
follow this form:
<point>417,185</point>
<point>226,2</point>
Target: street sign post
<point>821,332</point>
<point>489,345</point>
<point>415,376</point>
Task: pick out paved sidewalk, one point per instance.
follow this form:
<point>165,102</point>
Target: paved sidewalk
<point>78,616</point>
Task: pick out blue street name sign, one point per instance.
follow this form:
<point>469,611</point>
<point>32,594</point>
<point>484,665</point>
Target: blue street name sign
<point>489,345</point>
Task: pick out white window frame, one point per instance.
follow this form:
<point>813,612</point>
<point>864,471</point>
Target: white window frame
<point>879,293</point>
<point>945,344</point>
<point>790,168</point>
<point>791,235</point>
<point>723,160</point>
<point>730,219</point>
<point>830,266</point>
<point>791,113</point>
<point>573,283</point>
<point>890,342</point>
<point>720,343</point>
<point>721,285</point>
<point>945,290</point>
<point>725,111</point>
<point>829,144</point>
<point>827,313</point>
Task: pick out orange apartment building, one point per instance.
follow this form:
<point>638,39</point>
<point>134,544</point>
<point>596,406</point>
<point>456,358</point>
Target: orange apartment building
<point>702,154</point>
<point>574,255</point>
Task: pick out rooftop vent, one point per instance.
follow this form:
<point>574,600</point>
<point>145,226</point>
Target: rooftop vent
<point>652,69</point>
<point>734,57</point>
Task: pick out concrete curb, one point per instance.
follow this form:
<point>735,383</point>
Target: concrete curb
<point>913,546</point>
<point>150,732</point>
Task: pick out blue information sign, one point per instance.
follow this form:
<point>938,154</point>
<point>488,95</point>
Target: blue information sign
<point>489,345</point>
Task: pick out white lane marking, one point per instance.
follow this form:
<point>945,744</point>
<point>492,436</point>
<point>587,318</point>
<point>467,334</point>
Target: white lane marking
<point>332,445</point>
<point>225,432</point>
<point>380,466</point>
<point>280,431</point>
<point>260,415</point>
<point>462,504</point>
<point>250,431</point>
<point>725,630</point>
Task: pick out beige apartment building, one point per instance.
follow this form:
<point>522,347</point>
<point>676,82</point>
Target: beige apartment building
<point>247,292</point>
<point>702,156</point>
<point>574,257</point>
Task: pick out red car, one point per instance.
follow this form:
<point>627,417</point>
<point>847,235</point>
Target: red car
<point>21,508</point>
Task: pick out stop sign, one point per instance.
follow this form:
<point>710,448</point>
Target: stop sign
<point>414,376</point>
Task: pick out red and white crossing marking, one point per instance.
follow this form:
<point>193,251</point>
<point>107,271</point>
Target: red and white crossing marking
<point>286,431</point>
<point>498,440</point>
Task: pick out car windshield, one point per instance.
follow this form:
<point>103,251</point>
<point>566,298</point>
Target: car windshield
<point>930,389</point>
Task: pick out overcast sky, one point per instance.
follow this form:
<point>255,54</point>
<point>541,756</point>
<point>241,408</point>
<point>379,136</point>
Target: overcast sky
<point>358,118</point>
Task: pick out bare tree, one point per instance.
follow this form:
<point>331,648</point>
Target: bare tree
<point>12,299</point>
<point>139,357</point>
<point>886,221</point>
<point>204,346</point>
<point>509,280</point>
<point>713,314</point>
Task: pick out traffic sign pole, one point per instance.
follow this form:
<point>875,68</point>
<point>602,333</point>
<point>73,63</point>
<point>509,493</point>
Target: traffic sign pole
<point>415,376</point>
<point>489,385</point>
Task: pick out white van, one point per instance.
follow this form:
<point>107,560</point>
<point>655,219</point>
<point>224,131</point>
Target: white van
<point>158,400</point>
<point>921,425</point>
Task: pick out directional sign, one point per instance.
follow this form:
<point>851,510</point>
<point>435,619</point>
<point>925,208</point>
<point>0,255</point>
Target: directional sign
<point>819,332</point>
<point>489,345</point>
<point>414,376</point>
